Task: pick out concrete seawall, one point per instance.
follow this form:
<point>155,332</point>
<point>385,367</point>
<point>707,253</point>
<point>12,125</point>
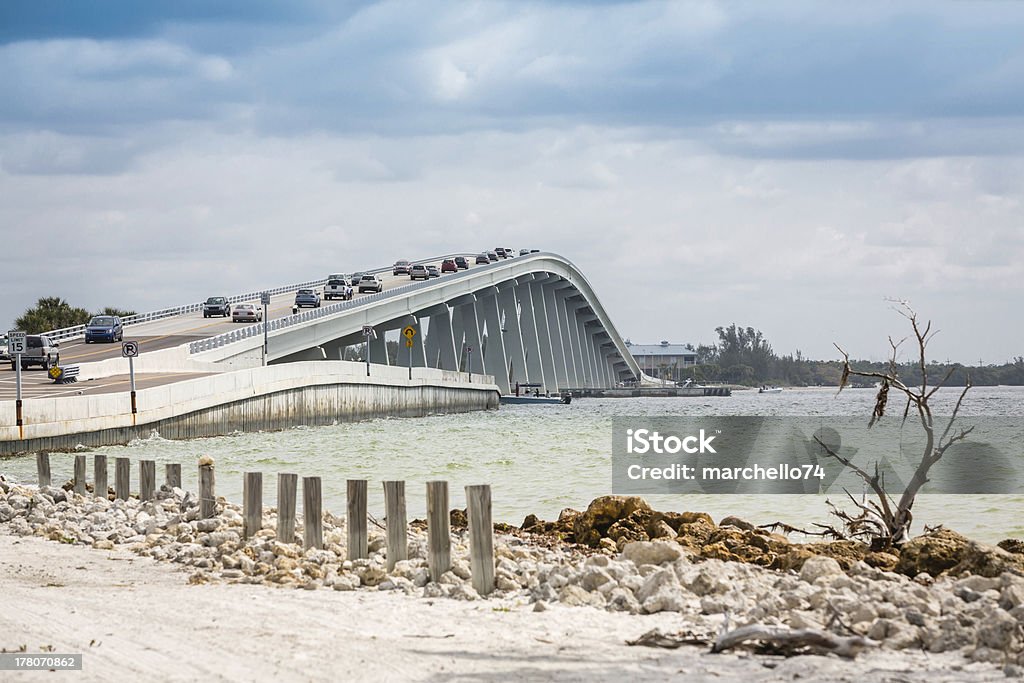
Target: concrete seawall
<point>258,399</point>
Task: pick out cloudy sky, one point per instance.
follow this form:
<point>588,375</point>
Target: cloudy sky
<point>784,165</point>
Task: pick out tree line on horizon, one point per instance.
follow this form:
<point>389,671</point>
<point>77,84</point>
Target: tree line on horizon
<point>744,356</point>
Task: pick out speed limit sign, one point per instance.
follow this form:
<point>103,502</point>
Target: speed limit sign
<point>129,349</point>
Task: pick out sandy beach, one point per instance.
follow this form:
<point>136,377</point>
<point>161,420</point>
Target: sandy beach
<point>133,616</point>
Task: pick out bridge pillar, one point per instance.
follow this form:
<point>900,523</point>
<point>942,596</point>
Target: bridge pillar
<point>585,351</point>
<point>540,318</point>
<point>472,349</point>
<point>431,345</point>
<point>531,341</point>
<point>573,368</point>
<point>559,344</point>
<point>378,346</point>
<point>494,356</point>
<point>441,330</point>
<point>514,352</point>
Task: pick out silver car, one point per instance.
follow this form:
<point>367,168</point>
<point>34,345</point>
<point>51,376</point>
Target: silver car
<point>246,313</point>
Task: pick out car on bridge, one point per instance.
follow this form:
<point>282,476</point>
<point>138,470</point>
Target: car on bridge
<point>216,305</point>
<point>370,283</point>
<point>243,313</point>
<point>39,350</point>
<point>3,348</point>
<point>307,297</point>
<point>448,266</point>
<point>356,277</point>
<point>500,251</point>
<point>482,258</point>
<point>337,287</point>
<point>419,271</point>
<point>461,262</point>
<point>401,267</point>
<point>524,252</point>
<point>104,328</point>
<point>492,256</point>
<point>432,271</point>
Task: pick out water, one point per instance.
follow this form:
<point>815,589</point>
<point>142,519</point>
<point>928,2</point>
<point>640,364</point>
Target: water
<point>540,459</point>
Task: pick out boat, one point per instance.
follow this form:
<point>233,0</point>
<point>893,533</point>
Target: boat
<point>769,390</point>
<point>536,400</point>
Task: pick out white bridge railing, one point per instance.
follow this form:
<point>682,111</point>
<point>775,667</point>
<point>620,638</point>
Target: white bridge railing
<point>79,330</point>
<point>288,321</point>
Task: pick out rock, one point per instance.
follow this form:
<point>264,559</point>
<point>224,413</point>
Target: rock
<point>371,575</point>
<point>207,525</point>
<point>593,578</point>
<point>530,522</point>
<point>817,567</point>
<point>738,523</point>
<point>458,519</point>
<point>622,600</point>
<point>6,513</point>
<point>1012,545</point>
<point>103,545</point>
<point>461,569</point>
<point>651,552</point>
<point>603,513</point>
<point>1012,596</point>
<point>576,596</point>
<point>661,591</point>
<point>540,606</point>
<point>986,560</point>
<point>343,583</point>
<point>998,630</point>
<point>932,553</point>
<point>464,592</point>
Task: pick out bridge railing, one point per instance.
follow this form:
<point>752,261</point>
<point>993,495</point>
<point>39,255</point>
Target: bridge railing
<point>79,330</point>
<point>324,311</point>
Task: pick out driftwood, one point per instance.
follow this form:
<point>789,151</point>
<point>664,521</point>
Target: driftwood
<point>670,641</point>
<point>792,640</point>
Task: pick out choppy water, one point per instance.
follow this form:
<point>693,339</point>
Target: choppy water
<point>540,459</point>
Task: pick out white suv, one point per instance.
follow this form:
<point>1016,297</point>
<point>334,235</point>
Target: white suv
<point>370,283</point>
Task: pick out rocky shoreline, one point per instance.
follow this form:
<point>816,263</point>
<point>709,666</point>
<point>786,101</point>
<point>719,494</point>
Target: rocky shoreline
<point>940,593</point>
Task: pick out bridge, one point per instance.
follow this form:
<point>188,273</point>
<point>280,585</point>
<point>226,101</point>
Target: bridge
<point>531,319</point>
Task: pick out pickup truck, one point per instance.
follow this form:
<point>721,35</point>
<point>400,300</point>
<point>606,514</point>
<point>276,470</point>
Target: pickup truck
<point>337,287</point>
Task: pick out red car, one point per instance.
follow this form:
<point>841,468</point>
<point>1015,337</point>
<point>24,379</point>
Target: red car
<point>448,266</point>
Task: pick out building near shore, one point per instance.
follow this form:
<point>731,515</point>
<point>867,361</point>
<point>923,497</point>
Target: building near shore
<point>664,359</point>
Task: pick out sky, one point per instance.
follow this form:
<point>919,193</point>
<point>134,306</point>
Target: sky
<point>791,166</point>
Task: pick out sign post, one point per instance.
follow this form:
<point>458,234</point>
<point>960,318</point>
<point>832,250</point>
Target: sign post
<point>129,350</point>
<point>469,362</point>
<point>16,346</point>
<point>265,300</point>
<point>409,333</point>
<point>368,335</point>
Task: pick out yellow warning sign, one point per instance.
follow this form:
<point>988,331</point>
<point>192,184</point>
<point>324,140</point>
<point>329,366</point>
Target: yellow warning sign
<point>408,342</point>
<point>409,332</point>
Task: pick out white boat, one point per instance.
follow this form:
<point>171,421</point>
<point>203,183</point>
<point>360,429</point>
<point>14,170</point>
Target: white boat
<point>770,390</point>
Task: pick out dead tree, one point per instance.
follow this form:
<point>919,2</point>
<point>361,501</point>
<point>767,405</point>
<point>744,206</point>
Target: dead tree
<point>886,521</point>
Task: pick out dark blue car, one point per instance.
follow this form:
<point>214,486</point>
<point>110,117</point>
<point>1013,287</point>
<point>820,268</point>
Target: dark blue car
<point>106,328</point>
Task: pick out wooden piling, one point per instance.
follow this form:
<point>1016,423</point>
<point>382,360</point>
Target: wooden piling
<point>43,469</point>
<point>99,474</point>
<point>80,475</point>
<point>312,515</point>
<point>252,503</point>
<point>394,505</point>
<point>439,542</point>
<point>481,538</point>
<point>147,479</point>
<point>172,475</point>
<point>122,477</point>
<point>286,485</point>
<point>356,521</point>
<point>207,497</point>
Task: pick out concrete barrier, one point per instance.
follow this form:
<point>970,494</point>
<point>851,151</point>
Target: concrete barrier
<point>263,398</point>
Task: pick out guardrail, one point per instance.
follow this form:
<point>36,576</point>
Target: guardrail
<point>288,321</point>
<point>79,330</point>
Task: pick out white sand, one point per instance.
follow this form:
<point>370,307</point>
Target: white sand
<point>133,617</point>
